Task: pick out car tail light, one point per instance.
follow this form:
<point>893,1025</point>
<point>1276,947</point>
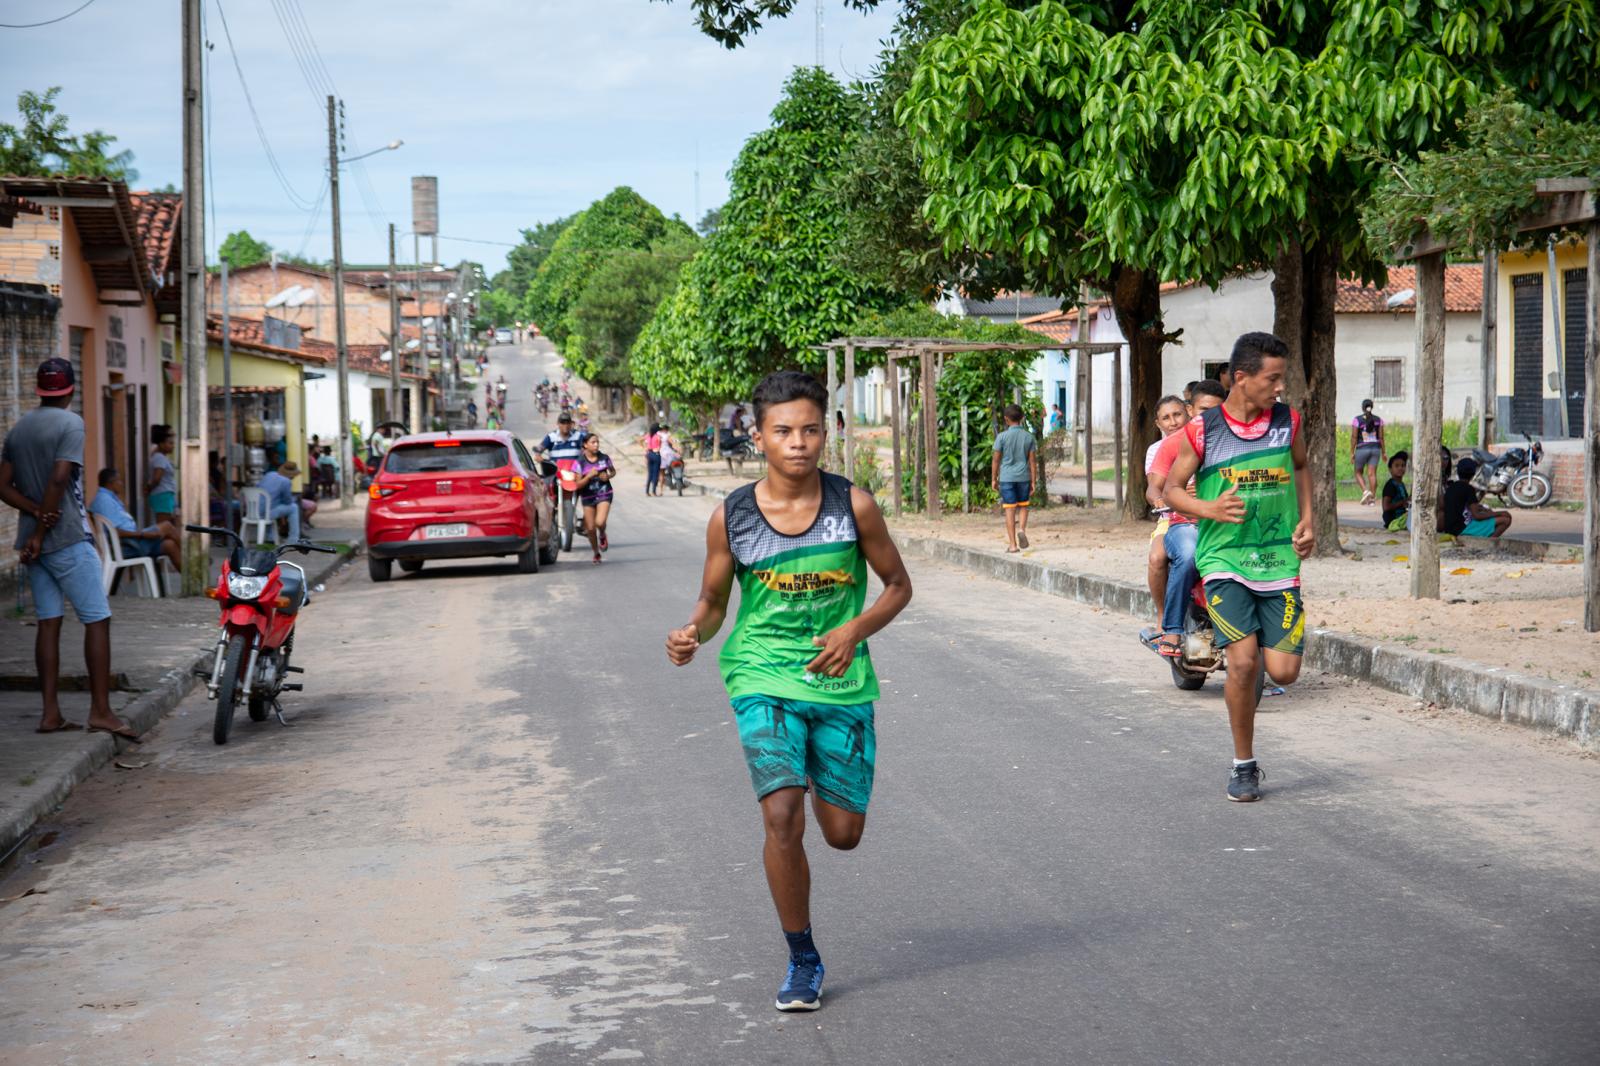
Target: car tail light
<point>447,444</point>
<point>380,491</point>
<point>511,484</point>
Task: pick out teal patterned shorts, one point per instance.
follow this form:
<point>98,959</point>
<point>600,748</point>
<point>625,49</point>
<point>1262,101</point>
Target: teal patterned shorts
<point>787,742</point>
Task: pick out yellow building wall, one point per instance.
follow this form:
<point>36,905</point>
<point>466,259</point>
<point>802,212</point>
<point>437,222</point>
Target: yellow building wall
<point>256,370</point>
<point>1570,255</point>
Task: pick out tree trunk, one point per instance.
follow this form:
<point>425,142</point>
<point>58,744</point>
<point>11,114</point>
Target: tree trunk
<point>1136,301</point>
<point>1304,288</point>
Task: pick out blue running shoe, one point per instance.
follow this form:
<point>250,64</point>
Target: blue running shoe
<point>802,989</point>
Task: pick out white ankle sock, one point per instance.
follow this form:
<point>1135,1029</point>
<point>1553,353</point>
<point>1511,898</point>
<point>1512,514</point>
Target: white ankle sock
<point>1242,762</point>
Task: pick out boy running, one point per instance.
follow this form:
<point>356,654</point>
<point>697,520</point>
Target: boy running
<point>1252,504</point>
<point>796,666</point>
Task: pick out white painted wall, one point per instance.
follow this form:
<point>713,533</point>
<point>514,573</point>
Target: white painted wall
<point>322,402</point>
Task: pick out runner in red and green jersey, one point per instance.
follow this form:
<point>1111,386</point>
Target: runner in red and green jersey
<point>1252,505</point>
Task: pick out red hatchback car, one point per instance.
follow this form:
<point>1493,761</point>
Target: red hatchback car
<point>458,496</point>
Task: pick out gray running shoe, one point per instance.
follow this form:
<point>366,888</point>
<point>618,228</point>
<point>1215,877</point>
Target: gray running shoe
<point>1244,786</point>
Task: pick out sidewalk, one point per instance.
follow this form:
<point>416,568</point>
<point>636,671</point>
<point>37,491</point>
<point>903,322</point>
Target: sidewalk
<point>156,644</point>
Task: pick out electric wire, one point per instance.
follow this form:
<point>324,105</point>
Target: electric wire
<point>299,59</point>
<point>46,22</point>
<point>311,222</point>
<point>266,146</point>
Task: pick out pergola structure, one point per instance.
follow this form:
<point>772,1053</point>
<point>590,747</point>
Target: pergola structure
<point>922,349</point>
<point>1563,202</point>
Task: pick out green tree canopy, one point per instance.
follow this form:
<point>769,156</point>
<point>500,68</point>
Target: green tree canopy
<point>42,144</point>
<point>523,261</point>
<point>768,284</point>
<point>240,250</point>
<point>1473,194</point>
<point>621,296</point>
<point>621,220</point>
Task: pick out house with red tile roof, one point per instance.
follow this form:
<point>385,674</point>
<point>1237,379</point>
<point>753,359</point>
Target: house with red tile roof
<point>1374,345</point>
<point>105,253</point>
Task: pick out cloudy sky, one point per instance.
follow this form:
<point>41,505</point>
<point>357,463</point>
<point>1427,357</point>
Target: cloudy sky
<point>525,109</point>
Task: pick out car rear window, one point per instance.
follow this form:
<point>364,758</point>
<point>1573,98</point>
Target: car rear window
<point>454,458</point>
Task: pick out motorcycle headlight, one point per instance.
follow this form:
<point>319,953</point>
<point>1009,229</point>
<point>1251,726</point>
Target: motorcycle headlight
<point>241,587</point>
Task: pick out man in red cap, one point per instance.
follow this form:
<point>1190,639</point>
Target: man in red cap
<point>41,475</point>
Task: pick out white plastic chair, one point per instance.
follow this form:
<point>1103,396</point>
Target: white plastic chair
<point>109,545</point>
<point>258,515</point>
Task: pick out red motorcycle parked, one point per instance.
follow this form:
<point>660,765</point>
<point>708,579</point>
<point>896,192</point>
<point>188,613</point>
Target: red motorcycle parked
<point>261,597</point>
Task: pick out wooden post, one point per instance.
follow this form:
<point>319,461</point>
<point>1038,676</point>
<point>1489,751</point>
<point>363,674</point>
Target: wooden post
<point>930,431</point>
<point>1591,440</point>
<point>1489,356</point>
<point>849,409</point>
<point>1116,423</point>
<point>1087,381</point>
<point>834,446</point>
<point>966,488</point>
<point>1429,423</point>
<point>893,371</point>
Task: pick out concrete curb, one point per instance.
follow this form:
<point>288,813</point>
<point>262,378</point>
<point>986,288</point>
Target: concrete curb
<point>1490,691</point>
<point>143,713</point>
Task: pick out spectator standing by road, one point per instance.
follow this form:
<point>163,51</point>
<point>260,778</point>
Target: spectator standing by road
<point>1367,451</point>
<point>652,460</point>
<point>41,475</point>
<point>162,484</point>
<point>147,543</point>
<point>1013,473</point>
<point>281,500</point>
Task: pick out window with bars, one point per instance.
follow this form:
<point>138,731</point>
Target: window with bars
<point>1388,379</point>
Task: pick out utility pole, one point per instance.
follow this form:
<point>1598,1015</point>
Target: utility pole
<point>394,335</point>
<point>227,395</point>
<point>346,466</point>
<point>196,549</point>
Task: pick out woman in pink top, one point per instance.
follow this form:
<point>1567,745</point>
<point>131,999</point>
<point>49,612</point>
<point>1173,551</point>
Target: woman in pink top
<point>652,460</point>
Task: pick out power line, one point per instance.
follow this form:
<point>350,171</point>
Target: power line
<point>46,22</point>
<point>297,52</point>
<point>311,222</point>
<point>272,159</point>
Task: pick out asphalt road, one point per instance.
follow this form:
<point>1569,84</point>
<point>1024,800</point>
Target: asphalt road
<point>503,829</point>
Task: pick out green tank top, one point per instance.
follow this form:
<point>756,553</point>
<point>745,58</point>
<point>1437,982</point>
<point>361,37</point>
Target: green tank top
<point>792,589</point>
<point>1259,552</point>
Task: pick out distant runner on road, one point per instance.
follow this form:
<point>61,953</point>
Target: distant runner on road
<point>796,666</point>
<point>1252,505</point>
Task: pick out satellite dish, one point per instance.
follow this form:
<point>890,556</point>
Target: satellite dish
<point>428,321</point>
<point>302,294</point>
<point>387,356</point>
<point>279,299</point>
<point>413,344</point>
<point>1404,296</point>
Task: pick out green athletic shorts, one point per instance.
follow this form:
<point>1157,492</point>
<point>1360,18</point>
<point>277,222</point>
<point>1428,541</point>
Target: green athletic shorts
<point>787,742</point>
<point>1279,618</point>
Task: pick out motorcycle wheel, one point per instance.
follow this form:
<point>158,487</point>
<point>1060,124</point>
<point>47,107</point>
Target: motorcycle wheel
<point>232,683</point>
<point>1530,490</point>
<point>259,705</point>
<point>1185,680</point>
<point>568,523</point>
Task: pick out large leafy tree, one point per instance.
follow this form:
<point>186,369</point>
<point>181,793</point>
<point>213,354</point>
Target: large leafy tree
<point>768,284</point>
<point>621,296</point>
<point>1122,145</point>
<point>43,145</point>
<point>621,220</point>
<point>523,261</point>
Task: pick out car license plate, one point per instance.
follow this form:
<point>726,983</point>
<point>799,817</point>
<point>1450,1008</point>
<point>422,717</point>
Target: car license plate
<point>454,529</point>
